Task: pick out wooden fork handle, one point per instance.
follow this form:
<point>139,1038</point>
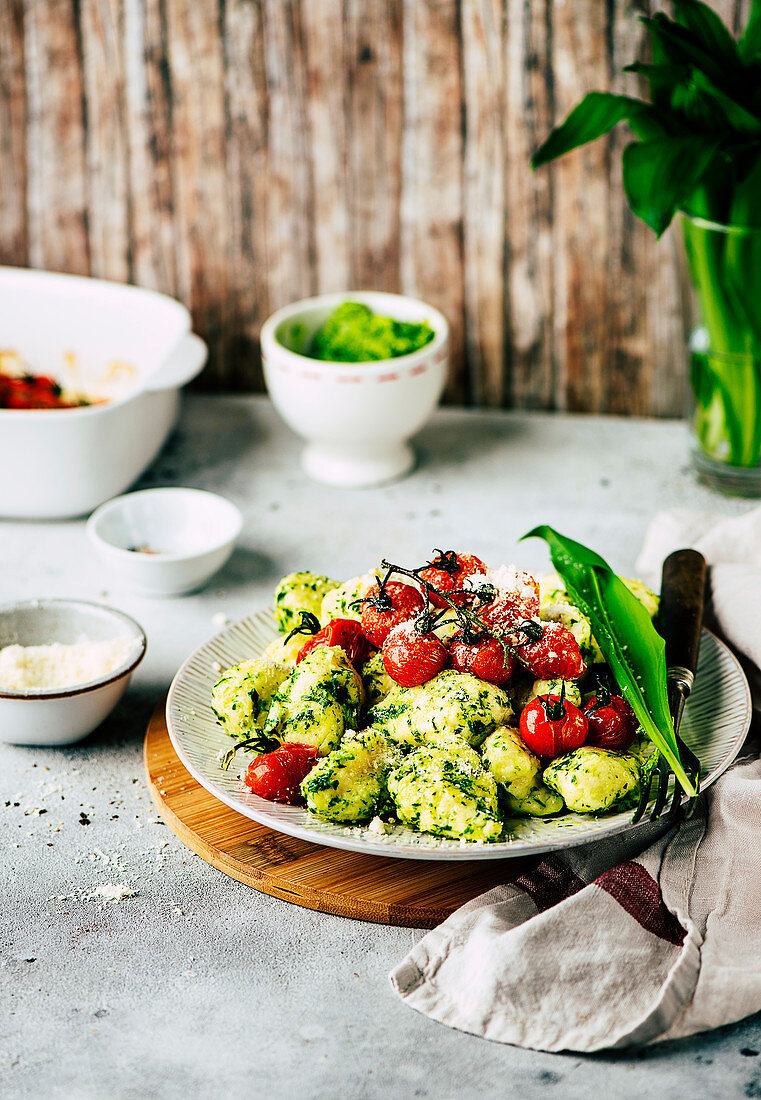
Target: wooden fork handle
<point>681,612</point>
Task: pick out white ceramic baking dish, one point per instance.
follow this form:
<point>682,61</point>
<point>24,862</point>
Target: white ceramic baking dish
<point>65,462</point>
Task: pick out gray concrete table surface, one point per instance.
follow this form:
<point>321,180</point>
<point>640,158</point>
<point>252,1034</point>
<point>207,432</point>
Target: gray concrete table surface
<point>198,986</point>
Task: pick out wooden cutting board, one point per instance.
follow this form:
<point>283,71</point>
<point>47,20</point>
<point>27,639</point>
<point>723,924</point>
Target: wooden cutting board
<point>410,892</point>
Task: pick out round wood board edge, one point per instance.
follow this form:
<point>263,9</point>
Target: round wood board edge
<point>410,893</point>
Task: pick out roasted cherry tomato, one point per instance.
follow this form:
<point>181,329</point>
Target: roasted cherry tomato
<point>277,775</point>
<point>411,657</point>
<point>388,607</point>
<point>486,659</point>
<point>346,633</point>
<point>551,726</point>
<point>447,572</point>
<point>516,600</point>
<point>31,391</point>
<point>554,656</point>
<point>612,722</point>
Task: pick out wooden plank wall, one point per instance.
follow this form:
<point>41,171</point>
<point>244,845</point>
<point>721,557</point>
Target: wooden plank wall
<point>240,154</point>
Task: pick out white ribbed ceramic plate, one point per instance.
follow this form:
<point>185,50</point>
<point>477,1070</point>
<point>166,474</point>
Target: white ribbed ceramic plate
<point>715,723</point>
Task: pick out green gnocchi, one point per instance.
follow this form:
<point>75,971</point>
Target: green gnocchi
<point>348,784</point>
<point>376,681</point>
<point>591,780</point>
<point>450,703</point>
<point>446,796</point>
<point>300,592</point>
<point>342,602</point>
<point>318,701</point>
<point>241,697</point>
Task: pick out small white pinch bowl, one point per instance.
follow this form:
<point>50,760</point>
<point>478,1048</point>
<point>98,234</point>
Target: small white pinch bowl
<point>62,716</point>
<point>357,418</point>
<point>189,534</point>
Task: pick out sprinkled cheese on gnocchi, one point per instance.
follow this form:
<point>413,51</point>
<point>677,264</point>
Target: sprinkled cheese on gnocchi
<point>446,796</point>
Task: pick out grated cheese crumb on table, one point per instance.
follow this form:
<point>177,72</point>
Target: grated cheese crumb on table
<point>112,891</point>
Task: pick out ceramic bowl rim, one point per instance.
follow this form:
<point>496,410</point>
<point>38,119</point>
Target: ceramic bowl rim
<point>272,346</point>
<point>152,561</point>
<point>124,669</point>
<point>62,278</point>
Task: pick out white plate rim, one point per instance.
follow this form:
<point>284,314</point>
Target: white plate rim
<point>360,840</point>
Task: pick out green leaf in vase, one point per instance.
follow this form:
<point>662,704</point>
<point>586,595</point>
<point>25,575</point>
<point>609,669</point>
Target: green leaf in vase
<point>634,650</point>
<point>708,28</point>
<point>736,116</point>
<point>749,45</point>
<point>667,76</point>
<point>746,208</point>
<point>660,175</point>
<point>699,151</point>
<point>717,386</point>
<point>679,46</point>
<point>597,113</point>
<point>706,99</point>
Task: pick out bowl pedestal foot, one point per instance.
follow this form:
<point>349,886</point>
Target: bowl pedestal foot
<point>353,469</point>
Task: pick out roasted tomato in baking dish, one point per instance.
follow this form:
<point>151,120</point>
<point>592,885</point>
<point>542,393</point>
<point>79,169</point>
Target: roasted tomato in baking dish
<point>412,657</point>
<point>485,658</point>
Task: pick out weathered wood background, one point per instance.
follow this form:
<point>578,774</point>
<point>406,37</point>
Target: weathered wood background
<point>240,154</point>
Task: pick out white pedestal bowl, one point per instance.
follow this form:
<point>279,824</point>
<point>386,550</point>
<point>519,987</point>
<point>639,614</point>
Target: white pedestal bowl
<point>357,418</point>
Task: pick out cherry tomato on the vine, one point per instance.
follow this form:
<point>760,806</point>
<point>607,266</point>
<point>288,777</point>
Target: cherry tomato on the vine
<point>346,633</point>
<point>612,722</point>
<point>411,657</point>
<point>555,656</point>
<point>551,726</point>
<point>277,775</point>
<point>447,572</point>
<point>486,659</point>
<point>396,604</point>
<point>516,600</point>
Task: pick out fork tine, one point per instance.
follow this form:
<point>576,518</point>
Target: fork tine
<point>676,803</point>
<point>644,798</point>
<point>663,789</point>
<point>692,767</point>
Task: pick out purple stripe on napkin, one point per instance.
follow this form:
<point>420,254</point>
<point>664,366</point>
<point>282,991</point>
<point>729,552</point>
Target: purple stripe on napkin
<point>550,882</point>
<point>639,894</point>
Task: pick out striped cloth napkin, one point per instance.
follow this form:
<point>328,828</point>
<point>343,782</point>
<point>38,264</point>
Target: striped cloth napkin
<point>630,940</point>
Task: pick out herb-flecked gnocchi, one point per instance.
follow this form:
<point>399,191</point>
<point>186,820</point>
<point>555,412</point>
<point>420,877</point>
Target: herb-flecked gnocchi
<point>450,699</point>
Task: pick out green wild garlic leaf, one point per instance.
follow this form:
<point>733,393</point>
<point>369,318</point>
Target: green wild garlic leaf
<point>632,647</point>
<point>659,176</point>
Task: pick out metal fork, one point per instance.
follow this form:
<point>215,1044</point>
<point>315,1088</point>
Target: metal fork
<point>680,619</point>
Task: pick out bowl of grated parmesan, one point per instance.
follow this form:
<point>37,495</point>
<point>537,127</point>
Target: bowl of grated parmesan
<point>64,665</point>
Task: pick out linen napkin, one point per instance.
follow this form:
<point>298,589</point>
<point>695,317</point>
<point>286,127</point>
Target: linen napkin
<point>635,939</point>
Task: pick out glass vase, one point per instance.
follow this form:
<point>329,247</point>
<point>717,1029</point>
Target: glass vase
<point>724,269</point>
